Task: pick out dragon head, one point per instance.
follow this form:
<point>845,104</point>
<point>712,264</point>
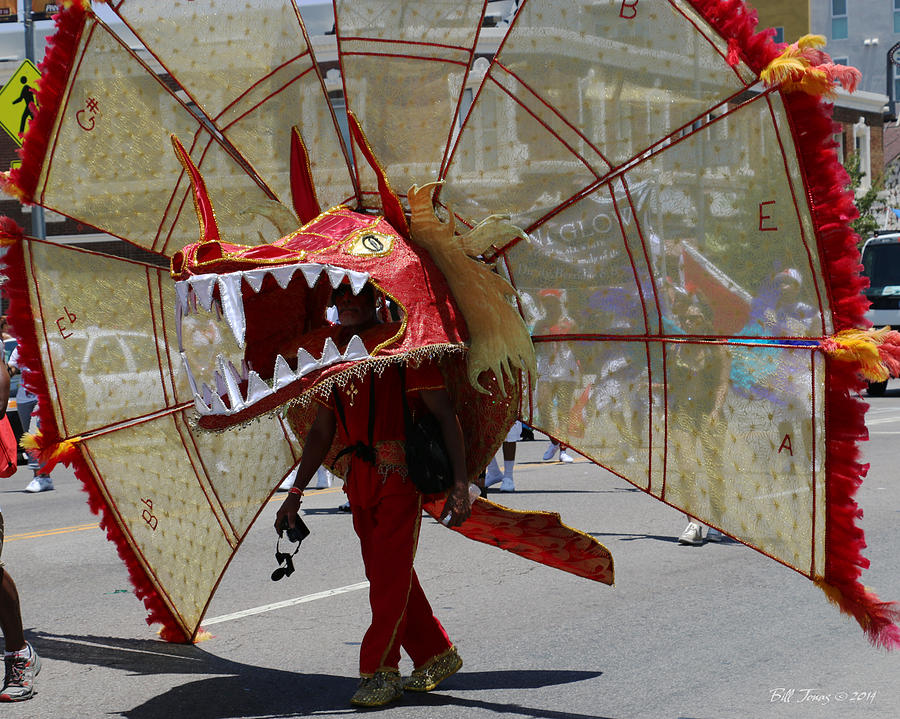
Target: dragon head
<point>275,299</point>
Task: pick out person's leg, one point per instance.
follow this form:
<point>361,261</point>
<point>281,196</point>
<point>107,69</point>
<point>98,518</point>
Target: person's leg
<point>509,463</point>
<point>424,638</point>
<point>551,451</point>
<point>10,613</point>
<point>323,478</point>
<point>22,662</point>
<point>25,407</point>
<point>492,475</point>
<point>388,536</point>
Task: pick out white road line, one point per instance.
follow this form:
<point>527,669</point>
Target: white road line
<point>885,420</point>
<point>117,648</point>
<point>286,603</point>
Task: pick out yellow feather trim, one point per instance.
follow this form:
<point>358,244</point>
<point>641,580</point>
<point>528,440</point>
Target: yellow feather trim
<point>803,66</point>
<point>811,41</point>
<point>862,348</point>
<point>48,454</point>
<point>11,188</point>
<point>31,441</point>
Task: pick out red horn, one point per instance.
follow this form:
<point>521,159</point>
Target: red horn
<point>209,230</point>
<point>393,210</point>
<point>303,189</point>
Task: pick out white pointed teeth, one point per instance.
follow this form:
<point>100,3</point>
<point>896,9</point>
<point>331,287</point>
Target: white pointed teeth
<point>311,273</point>
<point>228,380</point>
<point>257,389</point>
<point>233,305</point>
<point>330,353</point>
<point>284,375</point>
<point>255,278</point>
<point>356,350</point>
<point>201,406</point>
<point>181,294</point>
<point>283,275</point>
<point>203,287</point>
<point>218,406</point>
<point>306,363</point>
<point>233,389</point>
<point>232,383</point>
<point>357,280</point>
<point>229,303</point>
<point>190,375</point>
<point>335,276</point>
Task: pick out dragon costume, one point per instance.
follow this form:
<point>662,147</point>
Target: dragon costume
<point>650,172</point>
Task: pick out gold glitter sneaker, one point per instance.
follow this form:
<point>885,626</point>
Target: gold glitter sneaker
<point>434,671</point>
<point>379,689</point>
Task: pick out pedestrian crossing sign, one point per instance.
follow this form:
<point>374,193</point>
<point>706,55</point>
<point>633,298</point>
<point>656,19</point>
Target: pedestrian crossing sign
<point>16,98</point>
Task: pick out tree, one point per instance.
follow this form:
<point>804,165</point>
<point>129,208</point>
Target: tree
<point>865,225</point>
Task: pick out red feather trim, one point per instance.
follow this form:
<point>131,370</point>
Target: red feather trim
<point>832,209</point>
<point>889,350</point>
<point>58,61</point>
<point>21,321</point>
<point>736,23</point>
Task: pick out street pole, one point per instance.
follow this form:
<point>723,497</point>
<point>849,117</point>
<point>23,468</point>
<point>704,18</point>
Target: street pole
<point>38,226</point>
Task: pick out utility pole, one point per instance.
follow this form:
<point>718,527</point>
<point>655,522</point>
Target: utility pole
<point>38,226</point>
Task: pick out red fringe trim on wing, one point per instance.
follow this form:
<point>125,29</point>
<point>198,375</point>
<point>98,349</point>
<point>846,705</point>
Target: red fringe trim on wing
<point>832,209</point>
<point>736,23</point>
<point>22,323</point>
<point>58,60</point>
<point>538,536</point>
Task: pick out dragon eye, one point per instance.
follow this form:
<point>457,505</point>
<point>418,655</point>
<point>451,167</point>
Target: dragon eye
<point>370,244</point>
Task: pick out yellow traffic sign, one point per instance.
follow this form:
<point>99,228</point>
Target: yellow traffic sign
<point>15,99</point>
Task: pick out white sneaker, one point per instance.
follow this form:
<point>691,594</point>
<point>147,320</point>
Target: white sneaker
<point>551,452</point>
<point>490,479</point>
<point>20,673</point>
<point>288,481</point>
<point>323,478</point>
<point>692,534</point>
<point>507,485</point>
<point>40,483</point>
<point>714,535</point>
<point>564,457</point>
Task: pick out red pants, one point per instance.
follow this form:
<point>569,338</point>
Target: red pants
<point>401,615</point>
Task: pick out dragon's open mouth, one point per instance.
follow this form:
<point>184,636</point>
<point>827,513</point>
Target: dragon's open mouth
<point>279,352</point>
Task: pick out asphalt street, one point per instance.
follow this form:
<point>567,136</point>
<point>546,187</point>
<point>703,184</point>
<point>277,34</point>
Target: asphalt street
<point>710,632</point>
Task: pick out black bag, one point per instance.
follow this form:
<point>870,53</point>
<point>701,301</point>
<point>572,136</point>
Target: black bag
<point>427,460</point>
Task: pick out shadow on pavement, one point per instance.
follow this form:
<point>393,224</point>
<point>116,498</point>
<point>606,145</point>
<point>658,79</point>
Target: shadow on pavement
<point>669,539</point>
<point>243,690</point>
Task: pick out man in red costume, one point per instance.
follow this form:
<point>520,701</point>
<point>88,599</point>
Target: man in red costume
<point>386,505</point>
